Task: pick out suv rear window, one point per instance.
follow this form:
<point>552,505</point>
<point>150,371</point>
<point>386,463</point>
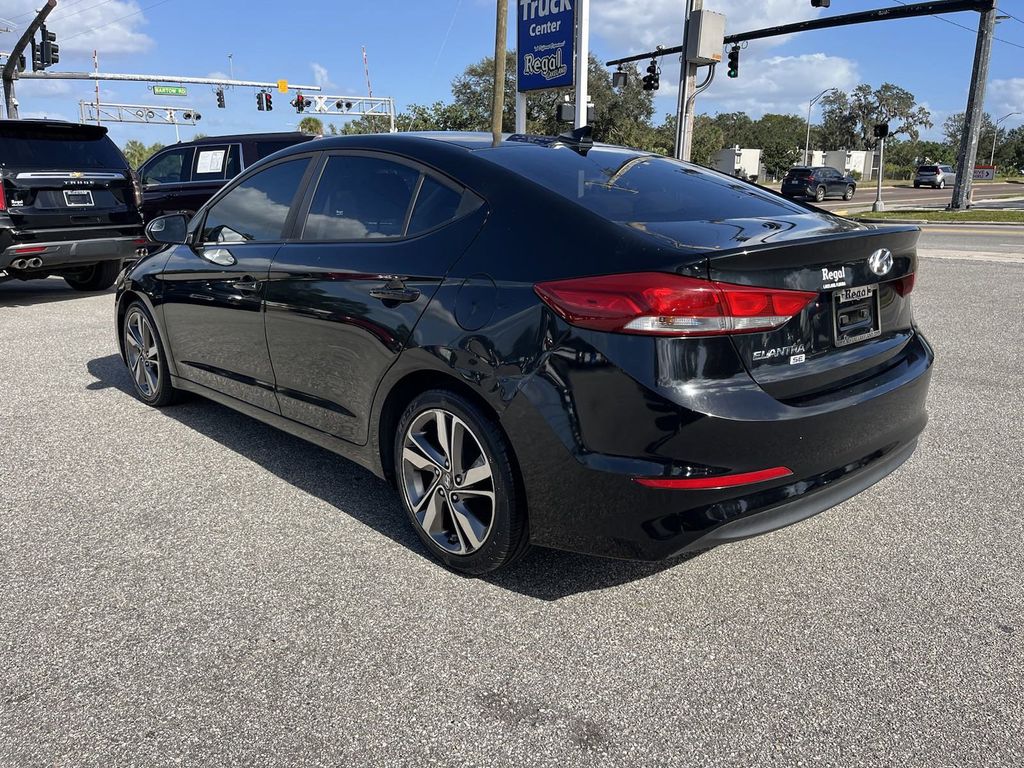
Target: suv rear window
<point>800,172</point>
<point>58,148</point>
<point>928,169</point>
<point>627,186</point>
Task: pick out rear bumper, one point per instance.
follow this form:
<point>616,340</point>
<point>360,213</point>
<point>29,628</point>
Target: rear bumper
<point>579,479</point>
<point>69,253</point>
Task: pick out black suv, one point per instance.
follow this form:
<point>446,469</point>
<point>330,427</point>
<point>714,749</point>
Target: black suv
<point>69,204</point>
<point>182,177</point>
<point>818,183</point>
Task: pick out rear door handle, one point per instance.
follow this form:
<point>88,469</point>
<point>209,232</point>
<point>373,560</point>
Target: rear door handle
<point>395,292</point>
<point>247,284</point>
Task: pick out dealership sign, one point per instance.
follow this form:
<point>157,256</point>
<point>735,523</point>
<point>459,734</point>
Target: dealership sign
<point>984,172</point>
<point>545,35</point>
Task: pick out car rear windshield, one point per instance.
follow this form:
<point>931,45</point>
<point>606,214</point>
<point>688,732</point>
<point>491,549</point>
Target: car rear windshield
<point>800,172</point>
<point>928,169</point>
<point>57,148</point>
<point>626,186</point>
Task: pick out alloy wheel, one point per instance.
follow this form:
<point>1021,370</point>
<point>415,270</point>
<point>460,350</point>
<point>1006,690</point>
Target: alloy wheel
<point>448,481</point>
<point>143,352</point>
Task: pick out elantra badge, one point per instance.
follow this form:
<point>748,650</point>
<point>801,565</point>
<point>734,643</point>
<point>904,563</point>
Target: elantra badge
<point>880,262</point>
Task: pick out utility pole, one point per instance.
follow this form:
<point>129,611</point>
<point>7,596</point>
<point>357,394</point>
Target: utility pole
<point>10,70</point>
<point>995,133</point>
<point>878,205</point>
<point>500,43</point>
<point>968,153</point>
<point>582,62</point>
<point>687,86</point>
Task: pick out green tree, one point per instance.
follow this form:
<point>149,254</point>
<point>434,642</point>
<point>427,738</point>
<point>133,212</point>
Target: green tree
<point>838,128</point>
<point>737,129</point>
<point>778,156</point>
<point>848,120</point>
<point>707,140</point>
<point>953,129</point>
<point>314,126</point>
<point>136,153</point>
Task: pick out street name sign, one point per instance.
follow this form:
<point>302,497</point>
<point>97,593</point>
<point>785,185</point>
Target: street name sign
<point>169,90</point>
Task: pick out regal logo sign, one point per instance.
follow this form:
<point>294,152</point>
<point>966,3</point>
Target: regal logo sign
<point>545,38</point>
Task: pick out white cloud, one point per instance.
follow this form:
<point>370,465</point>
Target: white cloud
<point>781,84</point>
<point>1005,96</point>
<point>633,26</point>
<point>77,25</point>
<point>321,77</point>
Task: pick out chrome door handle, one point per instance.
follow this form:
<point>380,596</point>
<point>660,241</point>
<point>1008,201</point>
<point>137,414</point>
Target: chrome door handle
<point>247,284</point>
<point>399,294</point>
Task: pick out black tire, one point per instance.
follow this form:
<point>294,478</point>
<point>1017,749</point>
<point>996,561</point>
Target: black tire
<point>819,194</point>
<point>99,277</point>
<point>916,185</point>
<point>942,184</point>
<point>507,536</point>
<point>848,195</point>
<point>163,393</point>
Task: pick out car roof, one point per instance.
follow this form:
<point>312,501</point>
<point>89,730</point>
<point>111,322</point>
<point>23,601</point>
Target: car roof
<point>42,122</point>
<point>297,136</point>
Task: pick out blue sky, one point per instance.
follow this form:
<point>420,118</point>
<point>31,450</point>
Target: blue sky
<point>416,47</point>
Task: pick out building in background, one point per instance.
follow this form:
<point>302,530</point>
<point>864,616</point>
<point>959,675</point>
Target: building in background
<point>737,161</point>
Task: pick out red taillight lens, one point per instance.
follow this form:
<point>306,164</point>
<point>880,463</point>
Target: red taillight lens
<point>670,305</point>
<point>904,285</point>
<point>3,198</point>
<point>713,483</point>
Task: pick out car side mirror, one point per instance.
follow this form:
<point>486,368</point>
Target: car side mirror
<point>171,229</point>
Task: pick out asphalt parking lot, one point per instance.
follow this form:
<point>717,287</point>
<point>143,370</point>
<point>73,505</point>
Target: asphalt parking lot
<point>192,587</point>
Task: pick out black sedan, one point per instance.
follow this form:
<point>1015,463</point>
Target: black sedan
<point>548,342</point>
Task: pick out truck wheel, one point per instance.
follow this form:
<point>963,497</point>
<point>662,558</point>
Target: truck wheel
<point>99,277</point>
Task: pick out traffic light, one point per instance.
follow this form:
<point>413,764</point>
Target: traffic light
<point>259,100</point>
<point>820,3</point>
<point>268,99</point>
<point>652,80</point>
<point>50,53</point>
<point>220,98</point>
<point>881,130</point>
<point>300,102</point>
<point>342,104</point>
<point>734,61</point>
<point>37,57</point>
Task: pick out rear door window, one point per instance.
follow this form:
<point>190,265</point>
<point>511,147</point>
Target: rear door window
<point>215,162</point>
<point>360,198</point>
<point>436,204</point>
<point>171,166</point>
<point>257,209</point>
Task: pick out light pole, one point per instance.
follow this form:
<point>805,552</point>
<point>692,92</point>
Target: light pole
<point>995,132</point>
<point>807,142</point>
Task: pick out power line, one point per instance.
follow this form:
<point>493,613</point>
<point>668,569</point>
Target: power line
<point>972,31</point>
<point>1007,13</point>
<point>114,21</point>
<point>28,14</point>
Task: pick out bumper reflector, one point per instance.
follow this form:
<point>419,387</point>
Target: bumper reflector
<point>713,483</point>
<point>29,249</point>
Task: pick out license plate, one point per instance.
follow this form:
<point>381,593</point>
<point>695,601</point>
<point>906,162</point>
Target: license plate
<point>855,314</point>
<point>78,198</point>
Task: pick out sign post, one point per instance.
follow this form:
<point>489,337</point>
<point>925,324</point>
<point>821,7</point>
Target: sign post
<point>546,48</point>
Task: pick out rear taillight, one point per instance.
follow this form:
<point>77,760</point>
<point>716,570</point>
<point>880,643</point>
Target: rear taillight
<point>670,305</point>
<point>3,198</point>
<point>714,482</point>
<point>137,190</point>
<point>904,285</point>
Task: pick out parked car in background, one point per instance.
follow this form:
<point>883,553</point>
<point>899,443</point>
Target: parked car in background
<point>183,176</point>
<point>549,342</point>
<point>818,183</point>
<point>69,204</point>
<point>934,175</point>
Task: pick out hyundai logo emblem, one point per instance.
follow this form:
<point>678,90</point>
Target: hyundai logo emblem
<point>880,262</point>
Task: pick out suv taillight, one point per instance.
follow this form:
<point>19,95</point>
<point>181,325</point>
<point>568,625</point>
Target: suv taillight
<point>136,190</point>
<point>657,303</point>
<point>3,197</point>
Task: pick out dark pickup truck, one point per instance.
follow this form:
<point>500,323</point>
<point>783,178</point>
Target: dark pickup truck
<point>69,204</point>
<point>183,176</point>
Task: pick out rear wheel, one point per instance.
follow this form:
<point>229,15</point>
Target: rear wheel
<point>819,194</point>
<point>457,481</point>
<point>98,277</point>
<point>942,184</point>
<point>144,355</point>
<point>848,195</point>
<point>917,185</point>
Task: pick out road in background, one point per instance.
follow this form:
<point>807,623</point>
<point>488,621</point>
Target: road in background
<point>904,197</point>
<point>189,586</point>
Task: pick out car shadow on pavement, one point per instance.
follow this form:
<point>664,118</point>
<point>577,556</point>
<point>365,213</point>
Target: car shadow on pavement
<point>27,293</point>
<point>544,574</point>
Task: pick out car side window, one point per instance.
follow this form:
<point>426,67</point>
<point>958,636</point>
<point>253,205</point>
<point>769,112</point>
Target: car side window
<point>360,198</point>
<point>215,163</point>
<point>257,209</point>
<point>172,166</point>
<point>436,204</point>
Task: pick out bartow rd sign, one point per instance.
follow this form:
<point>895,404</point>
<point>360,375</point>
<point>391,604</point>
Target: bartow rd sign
<point>169,90</point>
<point>545,35</point>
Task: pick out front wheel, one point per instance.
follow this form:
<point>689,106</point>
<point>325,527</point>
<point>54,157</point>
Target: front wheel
<point>98,277</point>
<point>457,480</point>
<point>848,195</point>
<point>942,184</point>
<point>144,355</point>
<point>819,194</point>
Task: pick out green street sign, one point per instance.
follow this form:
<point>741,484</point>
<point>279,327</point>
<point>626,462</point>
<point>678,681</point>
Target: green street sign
<point>169,90</point>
